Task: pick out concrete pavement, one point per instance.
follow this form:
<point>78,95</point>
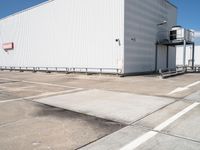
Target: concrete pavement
<point>161,130</point>
<point>26,125</point>
<point>117,106</point>
<point>150,118</point>
<point>125,136</point>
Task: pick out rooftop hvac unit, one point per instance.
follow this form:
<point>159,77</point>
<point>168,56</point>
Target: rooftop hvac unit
<point>178,33</point>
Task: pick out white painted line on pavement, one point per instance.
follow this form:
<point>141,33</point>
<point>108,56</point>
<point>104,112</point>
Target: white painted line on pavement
<point>9,79</point>
<point>16,88</point>
<point>41,95</point>
<point>180,89</point>
<point>175,117</point>
<point>145,137</point>
<point>177,90</point>
<point>41,83</point>
<point>142,139</point>
<point>193,84</point>
<point>49,84</point>
<point>11,100</point>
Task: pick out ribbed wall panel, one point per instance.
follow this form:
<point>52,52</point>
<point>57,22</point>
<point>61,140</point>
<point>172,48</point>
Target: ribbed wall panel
<point>188,58</point>
<point>83,33</point>
<point>65,33</point>
<point>141,30</point>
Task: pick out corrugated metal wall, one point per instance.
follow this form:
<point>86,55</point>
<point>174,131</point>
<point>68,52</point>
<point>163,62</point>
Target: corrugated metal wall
<point>179,55</point>
<point>82,34</point>
<point>141,33</point>
<point>66,33</point>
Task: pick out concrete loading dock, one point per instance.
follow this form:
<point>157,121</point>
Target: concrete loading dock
<point>115,36</point>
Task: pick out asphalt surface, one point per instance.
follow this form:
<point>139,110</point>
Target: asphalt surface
<point>57,111</point>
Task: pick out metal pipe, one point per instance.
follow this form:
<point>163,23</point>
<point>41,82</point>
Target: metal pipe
<point>193,53</point>
<point>184,52</point>
<point>167,59</point>
<point>156,57</point>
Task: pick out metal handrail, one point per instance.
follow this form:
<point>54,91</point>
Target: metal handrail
<point>167,36</point>
<point>63,69</point>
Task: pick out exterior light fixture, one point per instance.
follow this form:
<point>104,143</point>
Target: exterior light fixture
<point>162,23</point>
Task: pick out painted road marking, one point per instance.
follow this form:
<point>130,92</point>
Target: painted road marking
<point>41,83</point>
<point>180,89</point>
<point>48,84</point>
<point>145,137</point>
<point>42,95</point>
<point>17,88</point>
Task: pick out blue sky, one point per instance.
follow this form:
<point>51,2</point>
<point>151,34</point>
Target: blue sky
<point>189,15</point>
<point>8,7</point>
<point>188,11</point>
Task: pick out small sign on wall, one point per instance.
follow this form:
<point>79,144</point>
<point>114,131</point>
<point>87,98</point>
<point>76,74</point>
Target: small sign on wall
<point>8,46</point>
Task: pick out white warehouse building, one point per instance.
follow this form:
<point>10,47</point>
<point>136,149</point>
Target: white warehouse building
<point>108,36</point>
<point>188,56</point>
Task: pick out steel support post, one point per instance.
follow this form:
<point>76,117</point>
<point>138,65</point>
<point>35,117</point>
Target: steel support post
<point>193,53</point>
<point>156,57</point>
<point>167,59</point>
<point>184,53</point>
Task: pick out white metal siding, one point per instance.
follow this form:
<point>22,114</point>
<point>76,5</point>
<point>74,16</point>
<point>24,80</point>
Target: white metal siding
<point>65,33</point>
<point>141,19</point>
<point>179,55</point>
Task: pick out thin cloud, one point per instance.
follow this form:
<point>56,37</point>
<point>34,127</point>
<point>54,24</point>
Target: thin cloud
<point>197,34</point>
<point>197,37</point>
